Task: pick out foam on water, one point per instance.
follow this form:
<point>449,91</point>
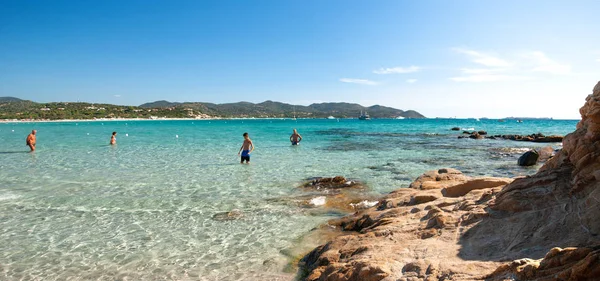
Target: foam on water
<point>318,201</point>
<point>364,204</point>
<point>9,196</point>
<point>151,206</point>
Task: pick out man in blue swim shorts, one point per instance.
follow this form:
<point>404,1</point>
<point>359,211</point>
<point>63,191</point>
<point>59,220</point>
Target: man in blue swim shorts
<point>246,149</point>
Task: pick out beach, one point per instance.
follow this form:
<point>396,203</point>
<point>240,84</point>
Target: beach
<point>171,199</point>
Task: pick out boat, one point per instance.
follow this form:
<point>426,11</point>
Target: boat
<point>364,116</point>
<point>399,117</point>
<point>519,121</point>
<point>330,117</point>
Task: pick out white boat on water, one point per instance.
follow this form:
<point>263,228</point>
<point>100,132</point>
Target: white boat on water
<point>364,116</point>
<point>399,117</point>
<point>330,117</point>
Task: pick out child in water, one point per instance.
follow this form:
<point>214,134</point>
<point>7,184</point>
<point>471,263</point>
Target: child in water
<point>246,149</point>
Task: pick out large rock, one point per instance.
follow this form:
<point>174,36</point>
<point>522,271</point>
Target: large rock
<point>426,233</point>
<point>405,226</point>
<point>528,158</point>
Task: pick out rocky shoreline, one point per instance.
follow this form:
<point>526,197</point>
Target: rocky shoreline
<point>448,226</point>
<point>539,137</point>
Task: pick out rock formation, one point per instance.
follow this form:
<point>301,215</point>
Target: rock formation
<point>448,226</point>
<point>539,137</point>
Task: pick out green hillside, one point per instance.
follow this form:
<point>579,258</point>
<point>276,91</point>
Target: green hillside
<point>14,108</point>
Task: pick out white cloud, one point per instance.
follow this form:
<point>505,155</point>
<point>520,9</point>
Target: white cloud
<point>117,96</point>
<point>411,81</point>
<point>484,59</point>
<point>358,81</point>
<point>397,70</point>
<point>488,78</point>
<point>524,66</point>
<point>481,71</point>
<point>542,63</point>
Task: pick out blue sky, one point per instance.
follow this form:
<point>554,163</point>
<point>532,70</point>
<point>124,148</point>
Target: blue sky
<point>441,58</point>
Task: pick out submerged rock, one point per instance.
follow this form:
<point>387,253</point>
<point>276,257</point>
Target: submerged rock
<point>331,183</point>
<point>228,216</point>
<point>455,129</point>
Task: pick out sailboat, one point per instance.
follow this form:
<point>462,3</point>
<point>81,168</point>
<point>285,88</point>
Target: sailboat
<point>294,118</point>
<point>364,116</point>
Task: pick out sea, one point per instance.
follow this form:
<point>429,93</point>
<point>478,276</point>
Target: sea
<point>171,201</point>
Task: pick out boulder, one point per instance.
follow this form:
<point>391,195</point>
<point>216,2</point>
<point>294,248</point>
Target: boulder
<point>528,158</point>
<point>476,136</point>
<point>455,129</point>
<point>483,133</point>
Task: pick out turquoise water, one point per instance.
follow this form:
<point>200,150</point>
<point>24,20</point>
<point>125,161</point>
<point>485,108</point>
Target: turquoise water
<point>145,209</point>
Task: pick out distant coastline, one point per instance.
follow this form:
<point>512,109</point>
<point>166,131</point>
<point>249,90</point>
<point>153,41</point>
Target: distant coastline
<point>18,109</point>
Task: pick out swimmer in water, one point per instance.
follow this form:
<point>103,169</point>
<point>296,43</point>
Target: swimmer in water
<point>30,141</point>
<point>246,149</point>
<point>295,138</point>
<point>113,138</point>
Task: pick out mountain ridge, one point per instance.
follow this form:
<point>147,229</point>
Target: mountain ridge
<point>316,110</point>
<point>15,108</point>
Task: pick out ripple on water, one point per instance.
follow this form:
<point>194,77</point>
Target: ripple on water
<point>161,207</point>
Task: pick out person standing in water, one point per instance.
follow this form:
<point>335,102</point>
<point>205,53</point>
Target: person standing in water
<point>246,149</point>
<point>113,138</point>
<point>30,141</point>
<point>295,138</point>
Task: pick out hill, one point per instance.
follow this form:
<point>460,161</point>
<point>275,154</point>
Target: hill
<point>278,109</point>
<point>10,99</point>
<point>14,108</point>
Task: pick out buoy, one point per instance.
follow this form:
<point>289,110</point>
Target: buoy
<point>126,135</point>
<point>176,136</point>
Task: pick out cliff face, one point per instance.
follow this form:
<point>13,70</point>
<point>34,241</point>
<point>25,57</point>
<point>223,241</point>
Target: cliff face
<point>451,227</point>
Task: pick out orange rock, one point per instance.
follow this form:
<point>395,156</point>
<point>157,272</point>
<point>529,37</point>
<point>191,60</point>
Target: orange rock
<point>448,226</point>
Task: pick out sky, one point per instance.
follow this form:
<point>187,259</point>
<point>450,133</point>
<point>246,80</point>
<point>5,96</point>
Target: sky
<point>464,58</point>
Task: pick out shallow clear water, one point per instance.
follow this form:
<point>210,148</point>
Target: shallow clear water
<point>145,209</point>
